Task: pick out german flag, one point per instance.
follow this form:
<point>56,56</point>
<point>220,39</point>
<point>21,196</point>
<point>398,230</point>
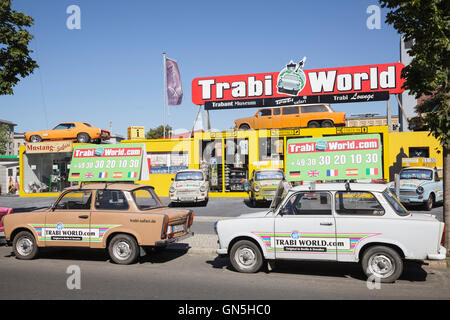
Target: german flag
<point>75,175</point>
<point>294,174</point>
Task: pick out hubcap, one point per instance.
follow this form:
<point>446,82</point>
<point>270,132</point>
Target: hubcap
<point>381,266</point>
<point>24,246</point>
<point>122,250</point>
<point>245,257</point>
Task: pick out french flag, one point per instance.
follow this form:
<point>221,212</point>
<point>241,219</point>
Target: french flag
<point>103,175</point>
<point>332,173</point>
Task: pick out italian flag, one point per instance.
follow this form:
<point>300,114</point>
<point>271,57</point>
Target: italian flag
<point>371,171</point>
<point>332,173</point>
<point>132,174</point>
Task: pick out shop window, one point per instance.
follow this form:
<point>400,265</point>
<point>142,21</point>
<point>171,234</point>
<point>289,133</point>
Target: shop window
<point>419,152</point>
<point>76,200</point>
<point>357,203</point>
<point>110,200</point>
<point>167,162</point>
<point>271,149</point>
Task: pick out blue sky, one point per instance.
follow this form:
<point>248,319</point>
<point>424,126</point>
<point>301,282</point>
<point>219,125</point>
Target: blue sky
<point>111,69</point>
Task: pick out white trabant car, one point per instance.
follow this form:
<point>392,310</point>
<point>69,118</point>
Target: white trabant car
<point>190,185</point>
<point>342,222</point>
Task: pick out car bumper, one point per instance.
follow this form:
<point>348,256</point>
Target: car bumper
<point>222,251</point>
<point>442,255</point>
<point>412,200</point>
<point>194,198</point>
<point>164,243</point>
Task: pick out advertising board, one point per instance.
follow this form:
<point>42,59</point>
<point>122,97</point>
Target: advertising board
<point>334,158</point>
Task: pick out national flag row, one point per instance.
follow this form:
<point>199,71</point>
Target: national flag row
<point>104,175</point>
<point>335,173</point>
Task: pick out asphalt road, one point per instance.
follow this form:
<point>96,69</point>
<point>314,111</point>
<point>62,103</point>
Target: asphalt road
<point>176,275</point>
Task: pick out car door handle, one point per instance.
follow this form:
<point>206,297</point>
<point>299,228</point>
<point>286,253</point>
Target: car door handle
<point>83,216</point>
<point>326,223</point>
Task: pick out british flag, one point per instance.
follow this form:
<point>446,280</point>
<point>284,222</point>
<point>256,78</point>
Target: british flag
<point>89,175</point>
<point>313,173</point>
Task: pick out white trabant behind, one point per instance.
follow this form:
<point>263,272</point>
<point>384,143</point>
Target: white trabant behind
<point>190,185</point>
<point>343,222</point>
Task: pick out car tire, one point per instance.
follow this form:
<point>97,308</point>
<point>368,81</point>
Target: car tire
<point>246,257</point>
<point>313,124</point>
<point>253,202</point>
<point>35,138</point>
<point>123,249</point>
<point>24,246</point>
<point>244,127</point>
<point>83,138</point>
<point>430,202</point>
<point>382,263</point>
<point>327,124</point>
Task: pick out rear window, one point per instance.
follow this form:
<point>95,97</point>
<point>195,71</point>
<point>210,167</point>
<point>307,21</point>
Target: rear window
<point>357,203</point>
<point>146,199</point>
<point>290,110</point>
<point>110,200</point>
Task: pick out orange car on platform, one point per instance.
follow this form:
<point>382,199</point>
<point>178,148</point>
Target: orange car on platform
<point>305,116</point>
<point>75,131</point>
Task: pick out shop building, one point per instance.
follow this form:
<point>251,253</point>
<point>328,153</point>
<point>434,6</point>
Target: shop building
<point>228,158</point>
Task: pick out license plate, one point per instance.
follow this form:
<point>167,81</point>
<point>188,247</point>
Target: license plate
<point>178,228</point>
<point>187,199</point>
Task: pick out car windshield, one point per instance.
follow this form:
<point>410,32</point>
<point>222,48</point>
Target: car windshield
<point>395,204</point>
<point>291,77</point>
<point>422,174</point>
<point>146,199</point>
<point>268,175</point>
<point>189,175</point>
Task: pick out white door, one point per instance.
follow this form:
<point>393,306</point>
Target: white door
<point>305,228</point>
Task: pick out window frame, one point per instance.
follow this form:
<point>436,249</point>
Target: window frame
<point>111,190</point>
<point>329,194</point>
<point>154,195</point>
<point>357,214</point>
<point>57,202</point>
<point>290,108</point>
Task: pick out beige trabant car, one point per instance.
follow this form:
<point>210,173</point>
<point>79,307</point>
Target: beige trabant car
<point>121,217</point>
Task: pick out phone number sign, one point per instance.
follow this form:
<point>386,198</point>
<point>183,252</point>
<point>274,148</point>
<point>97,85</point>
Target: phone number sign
<point>115,162</point>
<point>334,158</point>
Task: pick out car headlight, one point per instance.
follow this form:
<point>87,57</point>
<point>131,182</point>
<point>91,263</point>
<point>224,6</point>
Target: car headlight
<point>171,189</point>
<point>256,187</point>
<point>419,189</point>
<point>203,188</point>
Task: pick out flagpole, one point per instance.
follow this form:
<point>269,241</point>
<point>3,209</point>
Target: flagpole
<point>164,94</point>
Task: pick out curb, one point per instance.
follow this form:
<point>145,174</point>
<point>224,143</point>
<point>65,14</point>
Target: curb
<point>436,264</point>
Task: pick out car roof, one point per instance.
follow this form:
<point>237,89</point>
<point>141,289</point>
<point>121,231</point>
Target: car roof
<point>377,187</point>
<point>428,168</point>
<point>108,186</point>
<point>190,170</point>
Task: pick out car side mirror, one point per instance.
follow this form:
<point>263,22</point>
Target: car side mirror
<point>284,211</point>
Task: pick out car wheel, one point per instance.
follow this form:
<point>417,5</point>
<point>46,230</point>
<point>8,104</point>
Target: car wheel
<point>244,127</point>
<point>246,257</point>
<point>35,138</point>
<point>313,124</point>
<point>83,138</point>
<point>327,124</point>
<point>123,249</point>
<point>253,202</point>
<point>382,263</point>
<point>24,246</point>
<point>430,202</point>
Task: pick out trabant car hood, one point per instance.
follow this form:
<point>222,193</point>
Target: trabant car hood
<point>253,215</point>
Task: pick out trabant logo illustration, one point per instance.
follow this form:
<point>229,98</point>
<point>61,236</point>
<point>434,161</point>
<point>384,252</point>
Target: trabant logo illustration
<point>59,226</point>
<point>321,145</point>
<point>292,79</point>
<point>99,152</point>
<point>295,235</point>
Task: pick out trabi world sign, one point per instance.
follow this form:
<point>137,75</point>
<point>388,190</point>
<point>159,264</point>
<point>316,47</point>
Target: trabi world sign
<point>293,85</point>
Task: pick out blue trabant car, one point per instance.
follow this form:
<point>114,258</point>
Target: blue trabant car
<point>421,186</point>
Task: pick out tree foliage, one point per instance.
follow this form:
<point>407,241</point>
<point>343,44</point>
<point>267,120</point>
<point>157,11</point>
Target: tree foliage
<point>427,24</point>
<point>5,138</point>
<point>15,60</point>
<point>158,132</point>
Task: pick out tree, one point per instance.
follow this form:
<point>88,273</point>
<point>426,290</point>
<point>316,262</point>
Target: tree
<point>158,132</point>
<point>426,23</point>
<point>15,57</point>
<point>5,138</point>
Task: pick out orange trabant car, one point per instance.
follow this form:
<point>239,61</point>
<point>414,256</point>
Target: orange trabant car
<point>310,116</point>
<point>76,131</point>
<point>120,217</point>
